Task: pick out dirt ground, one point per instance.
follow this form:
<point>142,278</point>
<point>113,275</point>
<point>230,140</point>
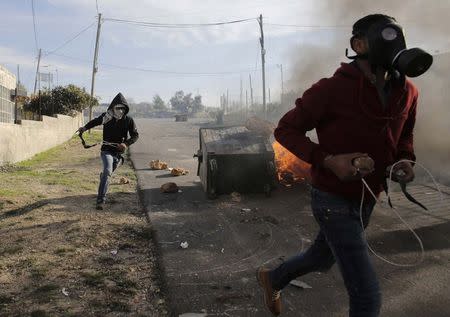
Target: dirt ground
<point>59,256</point>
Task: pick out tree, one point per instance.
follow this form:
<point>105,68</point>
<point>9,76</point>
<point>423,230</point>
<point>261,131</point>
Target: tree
<point>187,99</point>
<point>158,103</point>
<point>63,100</point>
<point>177,101</point>
<point>197,105</point>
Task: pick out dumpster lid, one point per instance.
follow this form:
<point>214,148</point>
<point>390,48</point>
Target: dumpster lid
<point>234,140</point>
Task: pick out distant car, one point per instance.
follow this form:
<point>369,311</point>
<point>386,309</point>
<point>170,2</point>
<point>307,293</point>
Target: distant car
<point>180,117</point>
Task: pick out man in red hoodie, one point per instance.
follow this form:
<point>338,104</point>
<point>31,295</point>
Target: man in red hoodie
<point>367,109</point>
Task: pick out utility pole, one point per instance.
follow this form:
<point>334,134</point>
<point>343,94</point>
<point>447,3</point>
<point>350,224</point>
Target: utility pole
<point>263,64</point>
<point>269,95</point>
<point>251,91</point>
<point>16,94</point>
<point>241,98</point>
<point>94,66</point>
<point>246,103</point>
<point>227,104</point>
<point>282,83</point>
<point>37,72</point>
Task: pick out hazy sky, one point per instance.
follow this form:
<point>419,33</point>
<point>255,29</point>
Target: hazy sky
<point>228,48</point>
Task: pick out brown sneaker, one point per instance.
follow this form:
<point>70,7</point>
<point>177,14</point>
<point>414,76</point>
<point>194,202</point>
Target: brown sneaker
<point>271,296</point>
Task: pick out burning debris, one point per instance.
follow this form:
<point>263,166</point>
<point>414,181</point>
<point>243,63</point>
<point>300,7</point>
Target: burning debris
<point>158,165</point>
<point>290,168</point>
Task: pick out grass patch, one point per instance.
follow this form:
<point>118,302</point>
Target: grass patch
<point>45,293</point>
<point>108,260</point>
<point>38,273</point>
<point>47,156</point>
<point>56,153</point>
<point>141,232</point>
<point>93,278</point>
<point>5,299</point>
<point>115,305</point>
<point>11,192</point>
<point>119,306</point>
<point>39,313</point>
<point>10,250</point>
<point>62,251</point>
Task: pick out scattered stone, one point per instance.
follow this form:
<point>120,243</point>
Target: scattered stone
<point>178,171</point>
<point>169,188</point>
<point>184,245</point>
<point>236,197</point>
<point>158,165</point>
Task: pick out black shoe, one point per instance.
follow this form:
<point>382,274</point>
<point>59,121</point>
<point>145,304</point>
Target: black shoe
<point>100,206</point>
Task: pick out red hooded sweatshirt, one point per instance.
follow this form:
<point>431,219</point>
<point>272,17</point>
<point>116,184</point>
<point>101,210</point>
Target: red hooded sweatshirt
<point>349,117</point>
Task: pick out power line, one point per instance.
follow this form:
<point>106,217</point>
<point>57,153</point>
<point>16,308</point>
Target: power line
<point>179,73</point>
<point>244,71</point>
<point>175,25</point>
<point>34,25</point>
<point>70,40</point>
<point>309,26</point>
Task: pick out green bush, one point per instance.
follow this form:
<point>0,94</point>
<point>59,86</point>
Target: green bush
<point>66,100</point>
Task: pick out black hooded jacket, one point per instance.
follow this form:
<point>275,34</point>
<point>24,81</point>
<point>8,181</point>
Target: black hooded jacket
<point>116,131</point>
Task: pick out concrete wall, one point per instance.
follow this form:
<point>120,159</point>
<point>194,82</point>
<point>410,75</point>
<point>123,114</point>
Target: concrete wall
<point>19,142</point>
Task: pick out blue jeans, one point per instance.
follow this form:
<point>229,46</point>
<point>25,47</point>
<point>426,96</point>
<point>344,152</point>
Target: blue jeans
<point>110,162</point>
<point>340,239</point>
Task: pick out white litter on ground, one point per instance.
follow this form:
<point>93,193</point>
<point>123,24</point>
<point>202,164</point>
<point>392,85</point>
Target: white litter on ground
<point>299,284</point>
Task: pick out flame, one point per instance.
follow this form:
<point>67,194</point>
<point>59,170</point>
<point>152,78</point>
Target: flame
<point>290,168</point>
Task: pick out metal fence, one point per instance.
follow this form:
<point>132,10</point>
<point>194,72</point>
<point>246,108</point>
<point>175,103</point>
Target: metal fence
<point>6,106</point>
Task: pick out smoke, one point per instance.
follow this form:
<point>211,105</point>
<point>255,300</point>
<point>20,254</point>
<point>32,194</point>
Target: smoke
<point>425,26</point>
<point>433,120</point>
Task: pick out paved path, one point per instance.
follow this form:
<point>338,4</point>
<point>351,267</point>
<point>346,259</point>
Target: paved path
<point>216,273</point>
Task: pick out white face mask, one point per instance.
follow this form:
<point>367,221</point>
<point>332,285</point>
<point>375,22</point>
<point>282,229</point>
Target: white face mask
<point>119,112</point>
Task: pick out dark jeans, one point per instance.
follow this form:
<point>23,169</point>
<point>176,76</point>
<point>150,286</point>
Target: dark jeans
<point>341,239</point>
<point>110,162</point>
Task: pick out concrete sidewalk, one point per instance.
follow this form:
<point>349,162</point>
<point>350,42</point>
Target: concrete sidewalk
<point>229,238</point>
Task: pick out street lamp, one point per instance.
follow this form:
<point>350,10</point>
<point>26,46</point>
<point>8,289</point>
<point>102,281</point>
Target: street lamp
<point>280,66</point>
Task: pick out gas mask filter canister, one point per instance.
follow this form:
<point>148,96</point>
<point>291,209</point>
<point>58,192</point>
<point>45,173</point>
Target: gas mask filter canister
<point>387,48</point>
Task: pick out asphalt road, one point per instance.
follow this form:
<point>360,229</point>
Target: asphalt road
<point>215,275</point>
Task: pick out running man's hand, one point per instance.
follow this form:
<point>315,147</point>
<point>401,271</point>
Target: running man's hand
<point>403,172</point>
<point>81,130</point>
<point>342,166</point>
<point>122,147</point>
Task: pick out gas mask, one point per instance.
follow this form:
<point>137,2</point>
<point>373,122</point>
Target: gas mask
<point>387,49</point>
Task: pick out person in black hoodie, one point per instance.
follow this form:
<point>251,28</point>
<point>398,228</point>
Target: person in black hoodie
<point>116,127</point>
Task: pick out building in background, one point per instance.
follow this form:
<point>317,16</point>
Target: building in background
<point>7,86</point>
